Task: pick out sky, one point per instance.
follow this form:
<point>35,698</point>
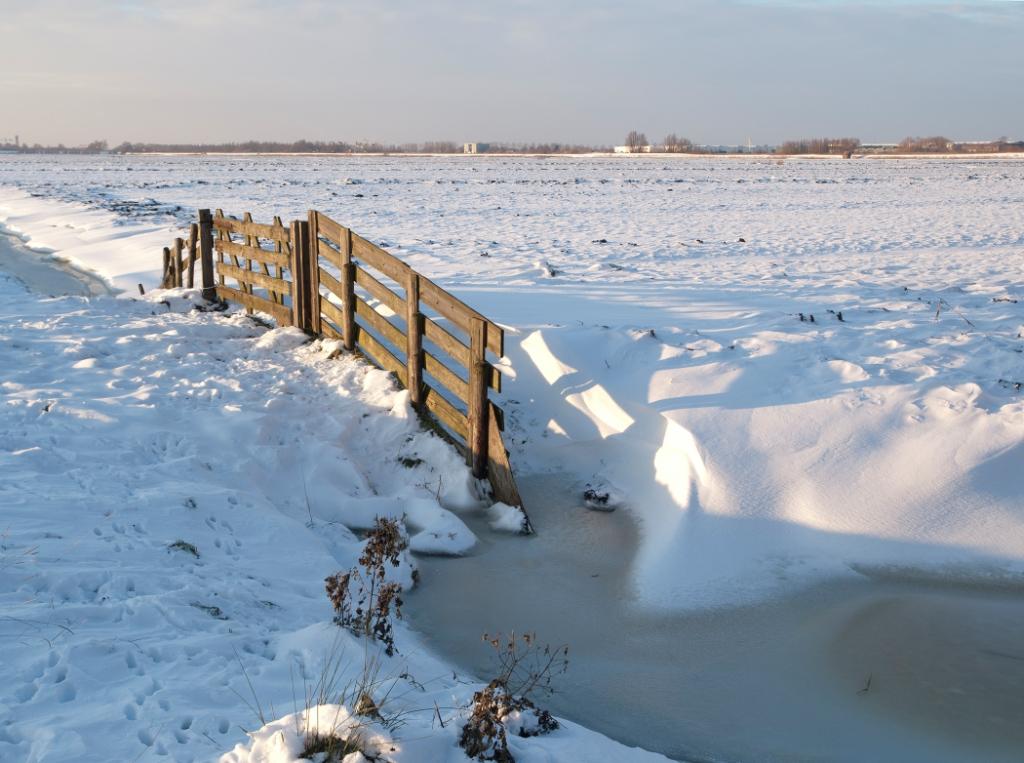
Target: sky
<point>571,71</point>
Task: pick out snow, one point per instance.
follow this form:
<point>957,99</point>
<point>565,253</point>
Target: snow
<point>176,486</point>
<point>505,518</point>
<point>785,373</point>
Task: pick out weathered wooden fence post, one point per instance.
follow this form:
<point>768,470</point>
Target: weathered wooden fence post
<point>313,268</point>
<point>193,240</point>
<point>179,246</point>
<point>165,282</point>
<point>414,337</point>
<point>206,254</point>
<point>348,284</point>
<point>478,413</point>
<point>300,274</point>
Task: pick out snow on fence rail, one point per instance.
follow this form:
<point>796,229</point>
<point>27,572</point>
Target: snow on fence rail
<point>329,281</point>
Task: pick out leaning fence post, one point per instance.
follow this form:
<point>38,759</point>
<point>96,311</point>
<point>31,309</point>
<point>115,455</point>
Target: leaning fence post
<point>414,337</point>
<point>206,254</point>
<point>165,283</point>
<point>348,284</point>
<point>478,414</point>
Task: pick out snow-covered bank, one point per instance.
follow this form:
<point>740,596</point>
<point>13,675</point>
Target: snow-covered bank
<point>45,274</point>
<point>175,487</point>
<point>90,239</point>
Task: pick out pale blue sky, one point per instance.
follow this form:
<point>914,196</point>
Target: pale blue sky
<point>525,70</point>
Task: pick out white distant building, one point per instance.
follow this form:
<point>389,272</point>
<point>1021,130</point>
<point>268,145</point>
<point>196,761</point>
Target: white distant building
<point>475,148</point>
<point>628,150</point>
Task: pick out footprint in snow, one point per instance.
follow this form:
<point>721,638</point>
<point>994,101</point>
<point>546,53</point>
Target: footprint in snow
<point>25,693</point>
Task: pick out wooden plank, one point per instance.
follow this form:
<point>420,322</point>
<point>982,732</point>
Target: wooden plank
<point>332,284</point>
<point>478,416</point>
<point>281,314</point>
<point>250,277</point>
<point>445,412</point>
<point>447,341</point>
<point>329,331</point>
<point>326,251</point>
<point>453,347</point>
<point>499,470</point>
<point>446,377</point>
<point>330,229</point>
<point>377,258</point>
<point>460,314</point>
<point>253,253</point>
<point>249,228</point>
<point>331,310</point>
<point>380,291</point>
<point>377,321</point>
<point>381,354</point>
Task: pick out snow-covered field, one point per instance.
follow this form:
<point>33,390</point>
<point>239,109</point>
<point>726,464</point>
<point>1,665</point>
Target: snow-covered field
<point>784,372</point>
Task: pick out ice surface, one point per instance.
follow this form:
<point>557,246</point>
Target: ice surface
<point>869,667</point>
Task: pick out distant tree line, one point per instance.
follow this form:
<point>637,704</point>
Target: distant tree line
<point>296,147</point>
<point>676,145</point>
<point>936,144</point>
<point>545,148</point>
<point>96,147</point>
<point>308,147</point>
<point>939,144</point>
<point>839,146</point>
<point>636,142</point>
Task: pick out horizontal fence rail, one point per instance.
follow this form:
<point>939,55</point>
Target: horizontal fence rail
<point>329,281</point>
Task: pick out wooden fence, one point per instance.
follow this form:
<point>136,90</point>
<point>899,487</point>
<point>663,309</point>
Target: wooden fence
<point>329,281</point>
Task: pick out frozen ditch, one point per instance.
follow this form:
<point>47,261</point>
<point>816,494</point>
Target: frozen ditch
<point>45,274</point>
<point>875,667</point>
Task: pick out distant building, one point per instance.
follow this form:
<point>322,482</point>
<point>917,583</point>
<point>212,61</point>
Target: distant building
<point>628,150</point>
<point>475,148</point>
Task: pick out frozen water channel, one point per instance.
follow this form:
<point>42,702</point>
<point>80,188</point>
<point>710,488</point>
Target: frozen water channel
<point>867,668</point>
<point>45,274</point>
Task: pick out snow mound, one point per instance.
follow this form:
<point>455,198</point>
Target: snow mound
<point>283,740</point>
<point>506,518</point>
<point>282,339</point>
